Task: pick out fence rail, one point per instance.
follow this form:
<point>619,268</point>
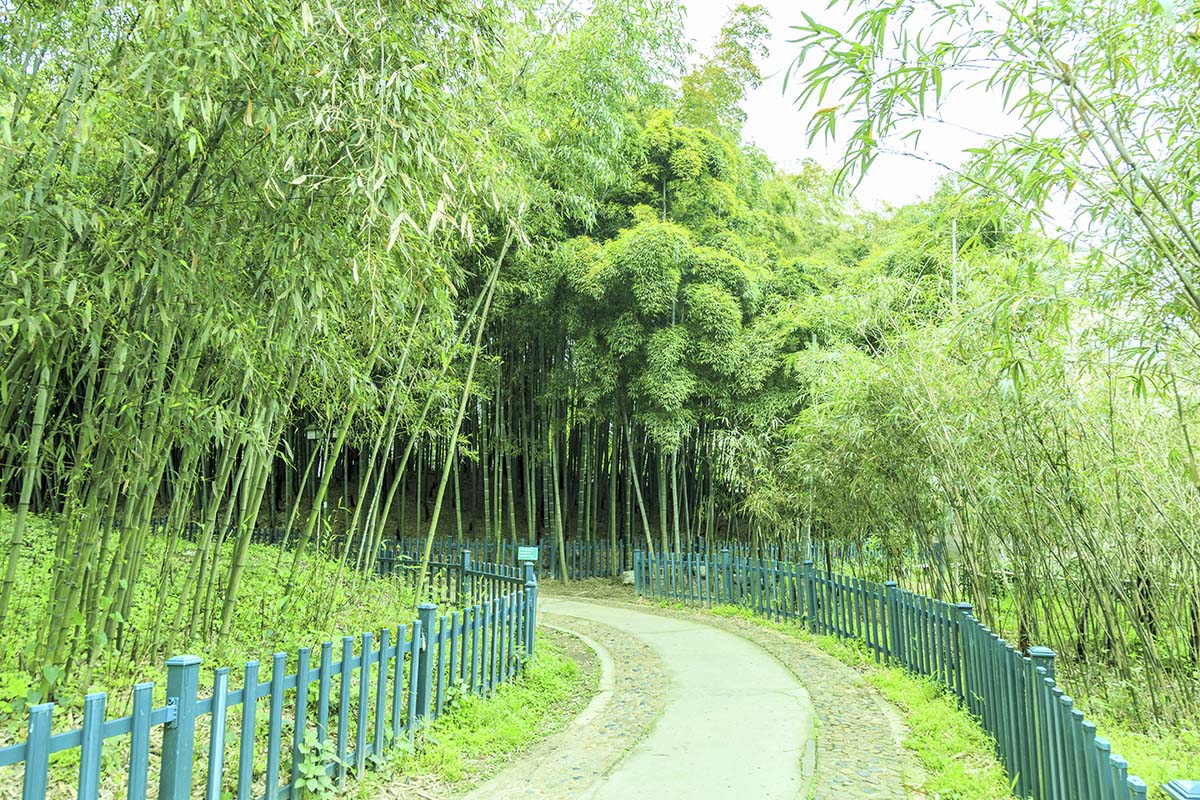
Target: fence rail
<point>369,694</point>
<point>1050,751</point>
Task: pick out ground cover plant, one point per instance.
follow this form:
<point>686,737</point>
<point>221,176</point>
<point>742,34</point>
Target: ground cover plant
<point>333,607</point>
<point>958,757</point>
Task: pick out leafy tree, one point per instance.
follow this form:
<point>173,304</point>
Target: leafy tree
<point>221,235</point>
<point>1100,94</point>
<point>712,94</point>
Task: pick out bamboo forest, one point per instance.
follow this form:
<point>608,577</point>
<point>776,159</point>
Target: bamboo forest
<point>304,298</point>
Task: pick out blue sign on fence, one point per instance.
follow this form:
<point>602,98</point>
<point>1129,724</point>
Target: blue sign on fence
<point>527,553</point>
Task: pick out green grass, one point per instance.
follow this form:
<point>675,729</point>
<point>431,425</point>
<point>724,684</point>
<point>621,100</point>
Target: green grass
<point>958,757</point>
<point>740,612</point>
<point>954,751</point>
<point>1154,757</point>
<point>476,736</point>
<point>323,608</point>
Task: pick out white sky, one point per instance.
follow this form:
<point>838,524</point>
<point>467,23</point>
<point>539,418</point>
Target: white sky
<point>776,125</point>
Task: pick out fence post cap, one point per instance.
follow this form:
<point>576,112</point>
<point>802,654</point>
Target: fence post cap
<point>1182,790</point>
<point>427,607</point>
<point>1040,652</point>
<point>964,607</point>
<point>185,661</point>
<point>890,584</point>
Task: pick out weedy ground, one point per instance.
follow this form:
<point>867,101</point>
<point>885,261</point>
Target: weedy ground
<point>325,607</point>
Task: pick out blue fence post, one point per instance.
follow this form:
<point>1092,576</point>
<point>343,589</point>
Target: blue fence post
<point>1041,657</point>
<point>960,643</point>
<point>466,587</point>
<point>638,588</point>
<point>727,574</point>
<point>531,607</point>
<point>91,746</point>
<point>1183,790</point>
<point>425,615</point>
<point>891,588</point>
<point>969,632</point>
<point>179,737</point>
<point>1046,767</point>
<point>810,595</point>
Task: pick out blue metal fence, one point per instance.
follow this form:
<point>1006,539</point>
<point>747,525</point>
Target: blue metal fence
<point>596,557</point>
<point>585,559</point>
<point>1050,751</point>
<point>370,693</point>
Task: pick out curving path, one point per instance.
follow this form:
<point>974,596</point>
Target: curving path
<point>684,710</point>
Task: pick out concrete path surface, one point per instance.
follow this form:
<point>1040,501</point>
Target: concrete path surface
<point>734,722</point>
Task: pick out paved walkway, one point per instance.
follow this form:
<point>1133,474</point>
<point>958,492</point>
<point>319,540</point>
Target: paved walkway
<point>860,751</point>
<point>732,721</point>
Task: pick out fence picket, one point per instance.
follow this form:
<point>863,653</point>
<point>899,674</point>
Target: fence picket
<point>381,683</point>
<point>246,750</point>
<point>91,746</point>
<point>139,741</point>
<point>275,724</point>
<point>343,721</point>
<point>475,636</point>
<point>37,758</point>
<point>324,678</point>
<point>398,681</point>
<point>300,716</point>
<point>414,667</point>
<point>216,741</point>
